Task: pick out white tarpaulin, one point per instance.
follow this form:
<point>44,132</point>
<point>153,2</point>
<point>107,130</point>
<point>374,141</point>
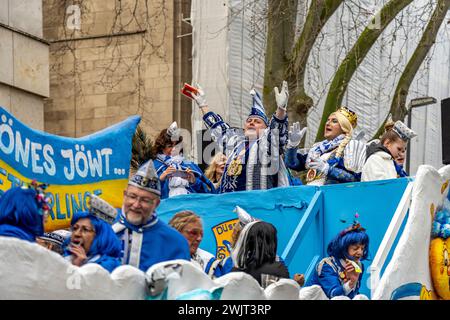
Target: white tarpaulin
<point>229,46</point>
<point>228,57</point>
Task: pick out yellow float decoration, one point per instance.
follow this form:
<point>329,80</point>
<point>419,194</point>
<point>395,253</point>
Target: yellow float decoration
<point>440,267</point>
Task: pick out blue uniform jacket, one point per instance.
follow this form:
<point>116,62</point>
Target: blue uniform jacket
<point>152,243</point>
<point>328,275</point>
<point>336,174</point>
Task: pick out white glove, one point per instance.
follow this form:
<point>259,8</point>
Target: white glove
<point>320,165</point>
<point>200,98</point>
<point>283,96</point>
<point>295,135</point>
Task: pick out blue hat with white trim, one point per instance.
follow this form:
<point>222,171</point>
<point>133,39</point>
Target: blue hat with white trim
<point>258,109</point>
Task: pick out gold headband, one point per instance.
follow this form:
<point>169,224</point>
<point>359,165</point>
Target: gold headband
<point>349,114</point>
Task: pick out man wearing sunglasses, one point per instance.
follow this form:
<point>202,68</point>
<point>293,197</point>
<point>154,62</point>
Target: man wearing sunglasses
<point>146,240</point>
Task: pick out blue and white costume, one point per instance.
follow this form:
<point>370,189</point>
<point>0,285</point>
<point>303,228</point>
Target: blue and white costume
<point>344,169</point>
<point>22,212</point>
<point>201,185</point>
<point>147,244</point>
<point>105,247</point>
<point>329,274</point>
<point>154,241</point>
<point>251,165</point>
<point>338,160</point>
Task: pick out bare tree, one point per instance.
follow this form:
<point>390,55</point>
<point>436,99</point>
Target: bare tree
<point>286,58</point>
<point>398,107</point>
<point>355,57</point>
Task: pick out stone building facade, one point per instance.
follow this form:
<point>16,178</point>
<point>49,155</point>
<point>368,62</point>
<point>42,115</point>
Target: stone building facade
<point>24,61</point>
<point>112,59</point>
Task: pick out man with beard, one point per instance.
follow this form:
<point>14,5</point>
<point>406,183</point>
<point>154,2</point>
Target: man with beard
<point>146,240</point>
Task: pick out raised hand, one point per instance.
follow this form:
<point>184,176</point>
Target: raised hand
<point>79,255</point>
<point>200,97</point>
<point>295,135</point>
<point>283,96</point>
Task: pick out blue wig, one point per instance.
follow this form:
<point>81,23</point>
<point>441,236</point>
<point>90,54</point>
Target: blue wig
<point>105,241</point>
<point>19,208</point>
<point>338,247</point>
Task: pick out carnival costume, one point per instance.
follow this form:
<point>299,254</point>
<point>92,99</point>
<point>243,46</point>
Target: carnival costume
<point>105,249</point>
<point>154,241</point>
<point>177,185</point>
<point>23,212</point>
<point>251,164</point>
<point>380,164</point>
<point>330,274</point>
<point>326,161</point>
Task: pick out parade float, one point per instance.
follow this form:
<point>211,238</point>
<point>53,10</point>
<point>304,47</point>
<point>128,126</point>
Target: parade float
<point>406,219</point>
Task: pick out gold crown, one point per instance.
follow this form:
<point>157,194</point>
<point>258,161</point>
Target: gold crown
<point>349,114</point>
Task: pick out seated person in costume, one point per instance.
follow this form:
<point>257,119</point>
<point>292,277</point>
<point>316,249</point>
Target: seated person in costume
<point>255,253</point>
<point>147,240</point>
<point>23,212</point>
<point>190,226</point>
<point>254,159</point>
<point>381,161</point>
<point>337,159</point>
<point>214,172</point>
<point>177,175</point>
<point>92,241</point>
<point>54,241</point>
<point>341,273</point>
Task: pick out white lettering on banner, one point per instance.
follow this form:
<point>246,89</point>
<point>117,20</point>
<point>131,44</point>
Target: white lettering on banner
<point>80,156</point>
<point>80,161</point>
<point>68,154</point>
<point>83,162</point>
<point>22,151</point>
<point>5,129</point>
<point>95,164</point>
<point>35,158</point>
<point>13,143</point>
<point>49,164</point>
<point>106,152</point>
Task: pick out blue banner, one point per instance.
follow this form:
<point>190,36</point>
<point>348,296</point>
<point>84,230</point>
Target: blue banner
<point>73,167</point>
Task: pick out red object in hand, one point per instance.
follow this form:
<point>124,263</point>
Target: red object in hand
<point>188,90</point>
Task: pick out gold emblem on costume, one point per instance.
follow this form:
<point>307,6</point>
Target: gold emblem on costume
<point>235,167</point>
<point>312,175</point>
<point>342,275</point>
<point>444,186</point>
